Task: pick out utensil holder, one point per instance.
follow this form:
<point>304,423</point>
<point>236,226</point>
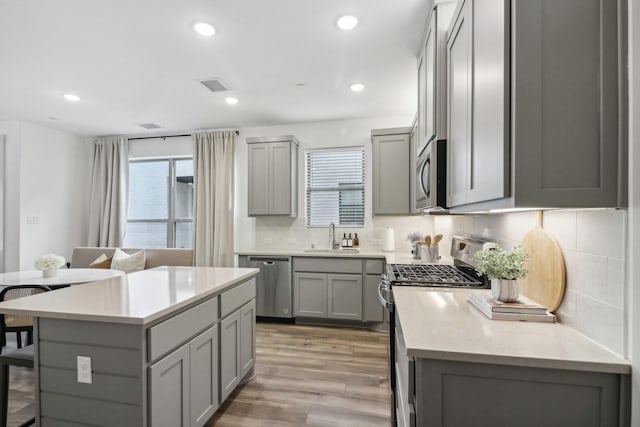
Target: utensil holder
<point>429,254</point>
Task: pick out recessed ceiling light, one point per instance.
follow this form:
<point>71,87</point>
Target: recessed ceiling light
<point>231,100</point>
<point>204,29</point>
<point>347,22</point>
<point>71,97</point>
<point>356,87</point>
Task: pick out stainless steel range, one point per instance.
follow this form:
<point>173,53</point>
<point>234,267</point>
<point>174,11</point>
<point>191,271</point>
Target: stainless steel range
<point>432,275</point>
<point>461,274</point>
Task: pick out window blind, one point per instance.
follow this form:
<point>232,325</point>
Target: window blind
<point>335,187</point>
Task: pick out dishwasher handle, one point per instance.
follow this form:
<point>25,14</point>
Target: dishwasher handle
<point>269,260</point>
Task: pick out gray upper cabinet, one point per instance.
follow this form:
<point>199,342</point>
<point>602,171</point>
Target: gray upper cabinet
<point>459,117</point>
<point>534,112</point>
<point>432,88</point>
<point>273,176</point>
<point>391,171</point>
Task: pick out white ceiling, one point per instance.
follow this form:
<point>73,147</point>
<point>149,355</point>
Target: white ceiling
<point>139,61</point>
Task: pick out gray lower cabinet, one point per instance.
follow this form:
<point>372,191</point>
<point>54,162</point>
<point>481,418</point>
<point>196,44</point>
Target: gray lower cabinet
<point>391,153</point>
<point>337,288</point>
<point>184,384</point>
<point>333,296</point>
<point>237,347</point>
<point>310,294</point>
<point>229,354</point>
<point>169,394</point>
<point>527,96</point>
<point>248,338</point>
<point>445,393</point>
<point>174,372</point>
<point>203,377</point>
<point>373,311</point>
<point>344,296</point>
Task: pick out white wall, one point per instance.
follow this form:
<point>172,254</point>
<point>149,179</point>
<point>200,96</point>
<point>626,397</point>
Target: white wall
<point>47,180</point>
<point>292,233</point>
<point>593,247</point>
<point>11,252</point>
<point>633,270</point>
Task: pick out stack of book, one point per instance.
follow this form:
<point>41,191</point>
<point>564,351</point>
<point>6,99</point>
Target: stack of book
<point>523,309</point>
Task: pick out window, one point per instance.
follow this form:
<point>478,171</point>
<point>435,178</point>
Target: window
<point>335,187</point>
<point>160,204</point>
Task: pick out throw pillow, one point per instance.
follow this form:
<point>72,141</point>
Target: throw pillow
<point>102,261</point>
<point>128,263</point>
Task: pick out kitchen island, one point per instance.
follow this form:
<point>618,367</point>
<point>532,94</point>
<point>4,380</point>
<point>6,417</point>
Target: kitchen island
<point>456,367</point>
<point>160,347</point>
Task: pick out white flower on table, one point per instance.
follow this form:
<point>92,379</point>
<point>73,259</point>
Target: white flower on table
<point>49,262</point>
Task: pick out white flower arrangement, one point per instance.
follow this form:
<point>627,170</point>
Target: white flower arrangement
<point>49,261</point>
<point>496,263</point>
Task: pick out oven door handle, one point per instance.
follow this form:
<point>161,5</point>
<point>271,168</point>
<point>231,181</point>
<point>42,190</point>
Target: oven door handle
<point>383,285</point>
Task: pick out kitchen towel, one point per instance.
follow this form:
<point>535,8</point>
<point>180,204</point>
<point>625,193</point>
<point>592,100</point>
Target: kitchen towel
<point>388,240</point>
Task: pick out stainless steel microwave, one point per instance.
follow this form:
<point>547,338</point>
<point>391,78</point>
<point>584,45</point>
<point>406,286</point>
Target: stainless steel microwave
<point>431,173</point>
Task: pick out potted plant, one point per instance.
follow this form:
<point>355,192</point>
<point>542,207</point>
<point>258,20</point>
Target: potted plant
<point>504,268</point>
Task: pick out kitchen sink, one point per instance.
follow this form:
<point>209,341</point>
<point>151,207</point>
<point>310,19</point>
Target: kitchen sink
<point>332,251</point>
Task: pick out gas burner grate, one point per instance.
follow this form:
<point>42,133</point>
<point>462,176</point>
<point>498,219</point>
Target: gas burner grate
<point>431,274</point>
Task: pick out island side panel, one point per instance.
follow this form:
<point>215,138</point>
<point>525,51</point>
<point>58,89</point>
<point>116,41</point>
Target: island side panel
<point>117,393</point>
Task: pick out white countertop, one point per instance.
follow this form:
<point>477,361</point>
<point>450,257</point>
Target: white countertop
<point>64,276</point>
<point>135,298</point>
<point>441,324</point>
<point>398,257</point>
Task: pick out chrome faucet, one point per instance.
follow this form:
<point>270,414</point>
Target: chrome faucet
<point>332,236</point>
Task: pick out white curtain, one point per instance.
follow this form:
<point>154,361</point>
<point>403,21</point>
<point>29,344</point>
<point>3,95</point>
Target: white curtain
<point>213,205</point>
<point>109,192</point>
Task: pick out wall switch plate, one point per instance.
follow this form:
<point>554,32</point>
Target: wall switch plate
<point>33,219</point>
<point>84,369</point>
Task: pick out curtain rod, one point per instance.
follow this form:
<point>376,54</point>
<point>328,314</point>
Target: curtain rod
<point>166,136</point>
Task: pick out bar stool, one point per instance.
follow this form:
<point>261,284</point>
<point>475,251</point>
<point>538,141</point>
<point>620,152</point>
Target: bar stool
<point>19,357</point>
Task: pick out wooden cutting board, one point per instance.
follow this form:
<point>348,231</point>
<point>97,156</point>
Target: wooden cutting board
<point>546,280</point>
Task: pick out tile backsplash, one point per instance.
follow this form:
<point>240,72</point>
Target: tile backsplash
<point>593,246</point>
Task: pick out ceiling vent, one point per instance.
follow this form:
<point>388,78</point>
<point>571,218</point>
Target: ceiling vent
<point>215,85</point>
<point>149,125</point>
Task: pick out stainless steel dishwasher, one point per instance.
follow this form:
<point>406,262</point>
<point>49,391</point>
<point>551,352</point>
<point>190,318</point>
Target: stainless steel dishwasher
<point>273,285</point>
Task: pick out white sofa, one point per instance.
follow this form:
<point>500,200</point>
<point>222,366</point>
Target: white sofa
<point>84,255</point>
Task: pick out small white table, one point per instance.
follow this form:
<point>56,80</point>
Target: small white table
<point>65,276</point>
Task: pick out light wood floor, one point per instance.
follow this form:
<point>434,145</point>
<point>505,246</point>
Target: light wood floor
<point>305,376</point>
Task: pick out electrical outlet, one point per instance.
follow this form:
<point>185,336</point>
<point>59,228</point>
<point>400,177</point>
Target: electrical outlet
<point>291,241</point>
<point>268,241</point>
<point>84,369</point>
<point>376,242</point>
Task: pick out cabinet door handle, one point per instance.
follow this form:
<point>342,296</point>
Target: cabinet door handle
<point>269,262</point>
